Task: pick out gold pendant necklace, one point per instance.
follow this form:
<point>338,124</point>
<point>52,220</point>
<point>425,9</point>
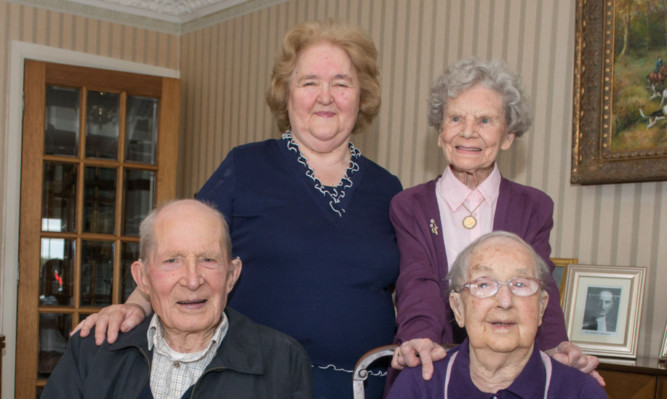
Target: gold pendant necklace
<point>469,222</point>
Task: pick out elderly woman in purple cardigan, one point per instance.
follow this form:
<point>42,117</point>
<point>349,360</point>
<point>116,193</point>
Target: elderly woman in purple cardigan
<point>477,109</point>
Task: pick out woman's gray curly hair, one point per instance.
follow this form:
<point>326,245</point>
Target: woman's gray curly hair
<point>494,75</point>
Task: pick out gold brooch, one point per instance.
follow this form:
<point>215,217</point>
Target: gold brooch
<point>434,227</point>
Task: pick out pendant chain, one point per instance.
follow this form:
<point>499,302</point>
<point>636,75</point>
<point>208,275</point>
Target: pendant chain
<point>469,222</point>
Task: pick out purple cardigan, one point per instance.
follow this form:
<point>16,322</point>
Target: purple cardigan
<point>421,289</point>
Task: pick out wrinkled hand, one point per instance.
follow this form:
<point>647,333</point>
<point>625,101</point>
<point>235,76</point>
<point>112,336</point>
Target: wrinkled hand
<point>420,350</point>
<point>570,354</point>
<point>110,320</point>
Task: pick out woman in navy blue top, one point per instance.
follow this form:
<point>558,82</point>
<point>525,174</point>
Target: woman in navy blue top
<point>314,268</point>
<point>309,215</point>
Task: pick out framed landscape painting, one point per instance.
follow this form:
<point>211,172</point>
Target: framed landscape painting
<point>620,100</point>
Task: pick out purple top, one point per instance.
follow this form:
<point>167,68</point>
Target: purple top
<point>566,382</point>
<point>421,289</point>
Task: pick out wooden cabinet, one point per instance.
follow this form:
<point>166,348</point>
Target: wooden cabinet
<point>99,151</point>
<point>644,378</point>
<point>662,387</point>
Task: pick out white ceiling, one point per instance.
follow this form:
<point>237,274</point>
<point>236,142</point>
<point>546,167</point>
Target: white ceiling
<point>171,16</point>
<point>178,11</point>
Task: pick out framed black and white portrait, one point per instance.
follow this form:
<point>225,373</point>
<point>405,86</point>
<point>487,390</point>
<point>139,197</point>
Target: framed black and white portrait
<point>602,306</point>
<point>601,310</point>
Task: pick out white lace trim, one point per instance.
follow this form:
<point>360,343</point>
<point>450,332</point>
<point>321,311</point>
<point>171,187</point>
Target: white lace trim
<point>335,194</point>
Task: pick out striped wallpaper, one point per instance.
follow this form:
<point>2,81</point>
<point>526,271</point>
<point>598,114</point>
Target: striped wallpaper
<point>26,24</point>
<point>225,70</point>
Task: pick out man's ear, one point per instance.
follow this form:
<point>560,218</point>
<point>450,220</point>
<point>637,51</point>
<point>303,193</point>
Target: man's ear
<point>233,273</point>
<point>457,308</point>
<point>139,274</point>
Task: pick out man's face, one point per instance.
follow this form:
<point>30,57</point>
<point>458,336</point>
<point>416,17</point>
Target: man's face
<point>188,275</point>
<point>605,302</point>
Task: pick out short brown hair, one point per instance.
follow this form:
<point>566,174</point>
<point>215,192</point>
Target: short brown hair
<point>356,44</point>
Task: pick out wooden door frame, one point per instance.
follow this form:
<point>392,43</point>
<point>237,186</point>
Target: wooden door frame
<point>10,202</point>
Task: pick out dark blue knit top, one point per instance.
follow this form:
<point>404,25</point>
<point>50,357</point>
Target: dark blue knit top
<point>318,266</point>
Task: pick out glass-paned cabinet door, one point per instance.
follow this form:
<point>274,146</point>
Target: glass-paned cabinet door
<point>99,156</point>
<point>56,280</point>
<point>61,135</point>
<point>54,329</point>
<point>99,202</point>
<point>102,113</point>
<point>56,275</point>
<point>138,198</point>
<point>141,128</point>
<point>96,273</point>
<point>59,197</point>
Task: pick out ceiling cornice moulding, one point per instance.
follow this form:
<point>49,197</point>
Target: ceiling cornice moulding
<point>177,11</point>
<point>169,16</point>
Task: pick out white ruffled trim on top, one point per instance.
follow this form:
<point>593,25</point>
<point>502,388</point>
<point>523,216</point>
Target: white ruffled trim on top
<point>336,194</point>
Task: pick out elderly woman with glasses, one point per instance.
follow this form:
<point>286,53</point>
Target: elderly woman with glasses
<point>477,109</point>
<point>498,295</point>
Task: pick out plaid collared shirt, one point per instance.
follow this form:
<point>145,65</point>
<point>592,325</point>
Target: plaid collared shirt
<point>173,372</point>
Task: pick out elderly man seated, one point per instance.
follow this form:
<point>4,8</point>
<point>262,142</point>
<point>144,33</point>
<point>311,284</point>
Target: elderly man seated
<point>192,346</point>
<point>498,295</point>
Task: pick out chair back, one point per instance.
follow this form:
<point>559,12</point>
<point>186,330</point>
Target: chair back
<point>361,369</point>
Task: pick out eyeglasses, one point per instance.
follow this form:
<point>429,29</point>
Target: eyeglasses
<point>485,287</point>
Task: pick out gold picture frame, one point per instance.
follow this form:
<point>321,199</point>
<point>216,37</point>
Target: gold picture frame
<point>602,307</point>
<point>598,123</point>
<point>560,273</point>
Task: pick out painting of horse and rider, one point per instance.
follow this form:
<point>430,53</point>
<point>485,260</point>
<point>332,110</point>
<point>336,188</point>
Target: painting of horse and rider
<point>639,113</point>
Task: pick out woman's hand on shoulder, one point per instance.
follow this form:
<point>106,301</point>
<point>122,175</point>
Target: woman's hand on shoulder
<point>418,351</point>
<point>110,320</point>
<point>571,355</point>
